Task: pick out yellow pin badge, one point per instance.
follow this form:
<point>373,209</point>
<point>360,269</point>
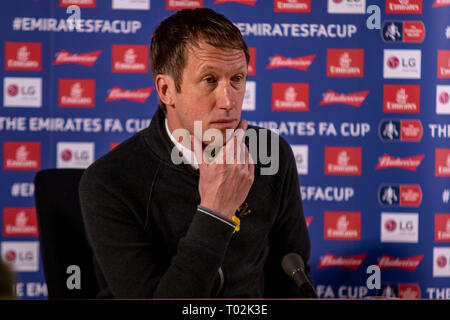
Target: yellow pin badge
<point>240,213</point>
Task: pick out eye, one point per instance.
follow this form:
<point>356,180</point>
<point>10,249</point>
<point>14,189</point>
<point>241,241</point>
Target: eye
<point>237,78</point>
<point>209,79</point>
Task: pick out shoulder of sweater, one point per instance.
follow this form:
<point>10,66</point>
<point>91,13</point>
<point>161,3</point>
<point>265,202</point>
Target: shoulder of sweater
<point>128,163</point>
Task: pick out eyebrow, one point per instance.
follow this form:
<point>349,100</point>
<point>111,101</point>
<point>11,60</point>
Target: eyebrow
<point>211,68</point>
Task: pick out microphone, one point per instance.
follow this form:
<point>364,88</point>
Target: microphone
<point>294,267</point>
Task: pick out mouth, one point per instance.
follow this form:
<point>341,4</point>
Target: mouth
<point>225,123</point>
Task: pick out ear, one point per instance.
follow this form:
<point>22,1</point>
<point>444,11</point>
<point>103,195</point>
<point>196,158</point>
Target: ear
<point>165,86</point>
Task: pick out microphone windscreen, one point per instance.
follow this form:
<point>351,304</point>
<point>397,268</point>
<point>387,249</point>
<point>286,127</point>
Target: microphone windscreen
<point>292,262</point>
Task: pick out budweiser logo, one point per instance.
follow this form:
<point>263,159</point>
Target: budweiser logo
<point>408,263</point>
<point>80,3</point>
<point>137,95</point>
<point>299,63</point>
<point>441,3</point>
<point>86,59</point>
<point>247,2</point>
<point>409,163</point>
<point>350,262</point>
<point>353,99</point>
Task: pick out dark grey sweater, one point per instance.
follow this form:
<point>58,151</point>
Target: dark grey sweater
<point>150,240</point>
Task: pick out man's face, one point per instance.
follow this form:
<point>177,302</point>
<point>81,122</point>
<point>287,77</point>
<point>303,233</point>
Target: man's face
<point>212,89</point>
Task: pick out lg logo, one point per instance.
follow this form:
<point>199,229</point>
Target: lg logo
<point>394,62</point>
<point>391,225</point>
<point>13,90</point>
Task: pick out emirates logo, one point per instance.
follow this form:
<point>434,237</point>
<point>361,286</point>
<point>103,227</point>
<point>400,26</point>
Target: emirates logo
<point>23,56</point>
<point>129,62</point>
<point>343,160</point>
<point>20,222</point>
<point>401,102</point>
<point>404,6</point>
<point>76,92</point>
<point>342,225</point>
<point>345,62</point>
<point>292,6</point>
<point>130,58</point>
<point>290,96</point>
<point>21,160</point>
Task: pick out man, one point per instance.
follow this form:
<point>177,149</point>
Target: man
<point>200,228</point>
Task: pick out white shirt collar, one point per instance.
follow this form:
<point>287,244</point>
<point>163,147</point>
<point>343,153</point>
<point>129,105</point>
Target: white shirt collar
<point>187,153</point>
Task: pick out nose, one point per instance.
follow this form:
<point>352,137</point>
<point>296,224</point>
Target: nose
<point>225,97</point>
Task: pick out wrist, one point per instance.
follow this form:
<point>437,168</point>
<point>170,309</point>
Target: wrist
<point>228,213</point>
